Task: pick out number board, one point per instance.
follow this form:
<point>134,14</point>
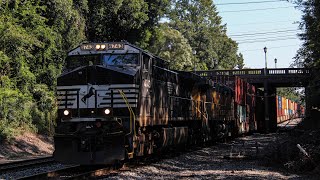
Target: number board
<point>87,47</point>
<point>115,46</point>
<point>109,46</point>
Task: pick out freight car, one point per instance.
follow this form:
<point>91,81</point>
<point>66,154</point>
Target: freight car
<point>288,109</point>
<point>117,101</point>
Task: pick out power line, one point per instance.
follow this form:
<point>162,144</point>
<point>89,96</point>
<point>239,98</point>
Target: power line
<point>269,22</point>
<point>247,10</point>
<point>262,38</point>
<point>274,47</point>
<point>265,39</point>
<point>261,33</point>
<point>252,2</point>
<point>247,42</point>
<point>269,30</point>
<point>265,36</point>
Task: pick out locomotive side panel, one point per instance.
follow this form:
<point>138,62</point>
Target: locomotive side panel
<point>145,103</point>
<point>160,99</point>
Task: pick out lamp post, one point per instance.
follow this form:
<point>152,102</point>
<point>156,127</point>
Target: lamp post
<point>265,60</point>
<point>275,63</point>
<point>194,52</point>
<point>266,100</point>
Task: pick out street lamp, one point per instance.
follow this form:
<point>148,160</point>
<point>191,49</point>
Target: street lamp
<point>265,58</point>
<point>275,63</point>
<point>194,52</point>
<point>266,100</point>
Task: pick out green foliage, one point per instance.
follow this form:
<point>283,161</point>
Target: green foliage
<point>309,54</point>
<point>116,20</point>
<point>14,113</point>
<point>35,36</point>
<point>172,46</point>
<point>132,20</point>
<point>198,21</point>
<point>294,94</point>
<point>43,112</point>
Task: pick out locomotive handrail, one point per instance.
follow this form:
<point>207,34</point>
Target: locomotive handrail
<point>200,111</point>
<point>131,113</point>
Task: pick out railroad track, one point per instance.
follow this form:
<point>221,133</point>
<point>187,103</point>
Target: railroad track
<point>61,172</point>
<point>28,168</point>
<point>25,163</point>
<point>81,172</point>
<point>73,172</point>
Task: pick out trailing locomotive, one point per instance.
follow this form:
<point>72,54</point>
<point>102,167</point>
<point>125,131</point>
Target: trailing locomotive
<point>117,101</point>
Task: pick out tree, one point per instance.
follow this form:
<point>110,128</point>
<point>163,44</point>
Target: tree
<point>117,20</point>
<point>31,53</point>
<point>172,46</point>
<point>309,53</point>
<point>198,21</point>
<point>309,56</point>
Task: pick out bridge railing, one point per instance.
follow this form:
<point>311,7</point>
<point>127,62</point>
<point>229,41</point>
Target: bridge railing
<point>252,72</point>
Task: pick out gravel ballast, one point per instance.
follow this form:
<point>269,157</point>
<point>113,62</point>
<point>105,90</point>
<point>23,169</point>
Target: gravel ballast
<point>242,158</point>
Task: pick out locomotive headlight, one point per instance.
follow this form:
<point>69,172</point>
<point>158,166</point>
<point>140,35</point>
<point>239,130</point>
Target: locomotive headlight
<point>107,111</point>
<point>103,46</point>
<point>98,46</point>
<point>66,112</point>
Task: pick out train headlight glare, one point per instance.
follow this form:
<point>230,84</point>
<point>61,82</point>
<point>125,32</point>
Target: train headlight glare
<point>98,46</point>
<point>107,111</point>
<point>66,112</point>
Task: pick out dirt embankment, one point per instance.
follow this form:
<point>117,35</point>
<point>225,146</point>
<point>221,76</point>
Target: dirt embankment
<point>26,146</point>
<point>298,153</point>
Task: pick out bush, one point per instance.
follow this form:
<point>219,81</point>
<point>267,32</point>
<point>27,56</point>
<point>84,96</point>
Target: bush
<point>15,116</point>
<point>44,110</point>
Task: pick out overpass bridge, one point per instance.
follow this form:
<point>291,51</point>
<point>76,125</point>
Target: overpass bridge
<point>280,77</point>
<point>269,80</point>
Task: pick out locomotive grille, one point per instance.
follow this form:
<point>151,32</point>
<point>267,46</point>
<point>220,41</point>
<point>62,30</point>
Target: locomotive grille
<point>112,97</point>
<point>97,96</point>
<point>67,97</point>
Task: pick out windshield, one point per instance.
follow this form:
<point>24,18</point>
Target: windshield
<point>120,59</point>
<point>73,62</point>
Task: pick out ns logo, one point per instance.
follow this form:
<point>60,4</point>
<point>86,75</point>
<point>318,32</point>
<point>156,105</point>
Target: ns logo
<point>90,93</point>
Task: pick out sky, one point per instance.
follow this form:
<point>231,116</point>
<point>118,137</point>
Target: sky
<point>256,24</point>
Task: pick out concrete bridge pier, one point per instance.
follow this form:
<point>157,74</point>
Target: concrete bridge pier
<point>270,110</point>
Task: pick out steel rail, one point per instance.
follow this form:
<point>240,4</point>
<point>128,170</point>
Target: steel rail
<point>25,163</point>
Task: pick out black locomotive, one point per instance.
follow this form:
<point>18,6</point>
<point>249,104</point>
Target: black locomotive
<point>117,101</point>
